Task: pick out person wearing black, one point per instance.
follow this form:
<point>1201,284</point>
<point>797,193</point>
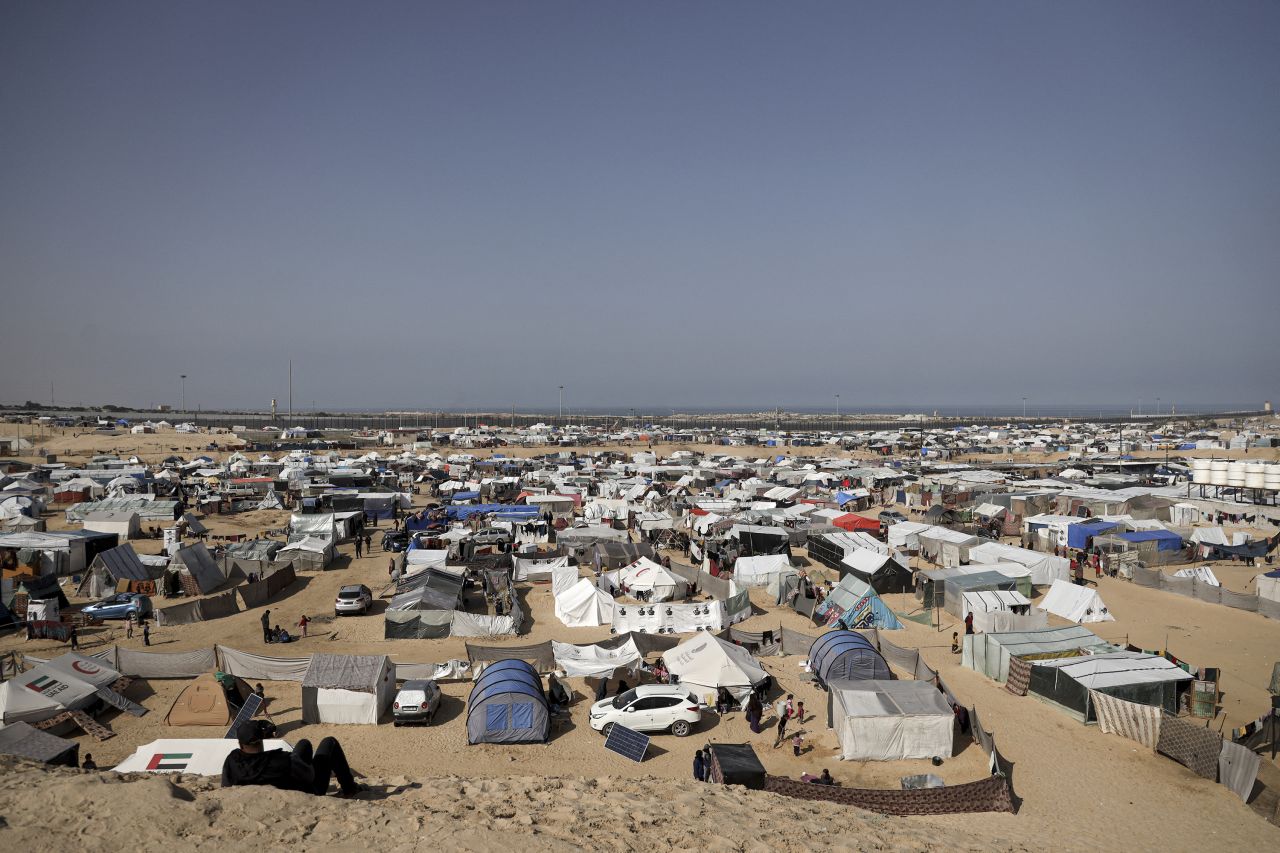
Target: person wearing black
<point>304,769</point>
<point>266,626</point>
<point>699,767</point>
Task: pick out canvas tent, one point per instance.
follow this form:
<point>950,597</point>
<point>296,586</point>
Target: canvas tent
<point>846,655</point>
<point>123,523</point>
<point>884,573</point>
<point>197,570</point>
<point>766,570</point>
<point>991,653</point>
<point>206,701</point>
<point>890,720</point>
<point>706,663</point>
<point>648,580</point>
<point>584,605</point>
<point>24,740</point>
<point>854,604</point>
<point>1076,603</point>
<point>197,756</point>
<point>109,568</point>
<point>347,689</point>
<point>1045,568</point>
<point>1132,676</point>
<point>508,705</point>
<point>66,683</point>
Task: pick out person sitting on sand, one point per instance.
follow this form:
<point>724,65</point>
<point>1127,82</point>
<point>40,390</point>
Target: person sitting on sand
<point>955,642</point>
<point>301,770</point>
<point>825,778</point>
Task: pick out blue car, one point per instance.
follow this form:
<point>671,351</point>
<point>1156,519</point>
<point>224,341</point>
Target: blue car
<point>122,605</point>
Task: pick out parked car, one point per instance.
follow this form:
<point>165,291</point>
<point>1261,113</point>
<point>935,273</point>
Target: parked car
<point>122,605</point>
<point>891,516</point>
<point>395,541</point>
<point>417,702</point>
<point>355,598</point>
<point>491,536</point>
<point>649,708</point>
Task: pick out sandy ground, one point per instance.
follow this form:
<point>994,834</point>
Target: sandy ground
<point>1077,784</point>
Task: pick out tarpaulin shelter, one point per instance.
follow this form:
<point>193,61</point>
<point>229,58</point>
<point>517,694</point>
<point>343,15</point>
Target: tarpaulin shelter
<point>24,740</point>
<point>1132,676</point>
<point>1076,603</point>
<point>347,689</point>
<point>508,705</point>
<point>584,605</point>
<point>890,720</point>
<point>196,756</point>
<point>854,604</point>
<point>706,663</point>
<point>611,556</point>
<point>1080,535</point>
<point>109,568</point>
<point>883,572</point>
<point>198,572</point>
<point>735,764</point>
<point>852,521</point>
<point>990,653</point>
<point>846,655</point>
<point>1166,540</point>
<point>66,683</point>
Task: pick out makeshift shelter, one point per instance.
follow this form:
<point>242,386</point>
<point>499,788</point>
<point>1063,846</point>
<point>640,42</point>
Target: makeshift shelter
<point>611,556</point>
<point>886,720</point>
<point>706,663</point>
<point>1269,585</point>
<point>846,655</point>
<point>991,653</point>
<point>954,588</point>
<point>882,572</point>
<point>196,756</point>
<point>649,581</point>
<point>123,524</point>
<point>207,701</point>
<point>1132,676</point>
<point>1002,610</point>
<point>508,705</point>
<point>944,546</point>
<point>735,764</point>
<point>767,570</point>
<point>854,604</point>
<point>198,572</point>
<point>270,500</point>
<point>1045,568</point>
<point>347,689</point>
<point>852,522</point>
<point>1076,603</point>
<point>66,683</point>
<point>23,740</point>
<point>308,552</point>
<point>584,605</point>
<point>109,568</point>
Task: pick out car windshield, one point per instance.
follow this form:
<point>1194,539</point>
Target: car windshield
<point>622,700</point>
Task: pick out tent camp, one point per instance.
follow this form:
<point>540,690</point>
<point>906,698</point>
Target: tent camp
<point>890,720</point>
<point>1076,603</point>
<point>884,573</point>
<point>705,663</point>
<point>1045,568</point>
<point>1002,610</point>
<point>508,705</point>
<point>109,568</point>
<point>122,523</point>
<point>767,570</point>
<point>347,689</point>
<point>206,701</point>
<point>584,605</point>
<point>846,655</point>
<point>66,683</point>
<point>197,756</point>
<point>944,546</point>
<point>854,604</point>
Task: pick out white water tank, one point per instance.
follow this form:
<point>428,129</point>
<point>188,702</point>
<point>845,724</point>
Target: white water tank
<point>1200,474</point>
<point>1218,472</point>
<point>1235,474</point>
<point>1272,478</point>
<point>1255,475</point>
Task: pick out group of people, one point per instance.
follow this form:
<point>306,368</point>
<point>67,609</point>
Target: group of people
<point>275,634</point>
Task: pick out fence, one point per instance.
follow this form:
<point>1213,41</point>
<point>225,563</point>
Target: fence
<point>1201,591</point>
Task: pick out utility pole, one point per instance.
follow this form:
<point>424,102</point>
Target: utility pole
<point>561,418</point>
<point>1024,408</point>
<point>837,410</point>
<point>184,392</point>
<point>291,391</point>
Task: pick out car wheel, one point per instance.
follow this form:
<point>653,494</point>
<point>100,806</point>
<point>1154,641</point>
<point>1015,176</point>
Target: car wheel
<point>606,728</point>
<point>395,723</point>
<point>680,728</point>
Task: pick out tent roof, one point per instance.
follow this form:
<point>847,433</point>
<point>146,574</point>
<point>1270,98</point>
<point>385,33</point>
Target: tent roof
<point>346,672</point>
<point>890,698</point>
<point>122,563</point>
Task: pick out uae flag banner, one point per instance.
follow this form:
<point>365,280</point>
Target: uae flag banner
<point>169,761</point>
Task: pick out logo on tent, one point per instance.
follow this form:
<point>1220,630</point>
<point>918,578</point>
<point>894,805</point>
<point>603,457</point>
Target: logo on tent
<point>169,761</point>
<point>83,666</point>
<point>46,686</point>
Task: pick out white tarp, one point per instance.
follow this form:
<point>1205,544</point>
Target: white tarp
<point>589,661</point>
<point>424,558</point>
<point>644,575</point>
<point>1045,568</point>
<point>706,662</point>
<point>67,683</point>
<point>252,667</point>
<point>891,720</point>
<point>1204,574</point>
<point>760,571</point>
<point>197,756</point>
<point>528,568</point>
<point>584,605</point>
<point>1076,603</point>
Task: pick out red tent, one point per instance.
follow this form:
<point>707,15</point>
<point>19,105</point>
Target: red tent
<point>853,522</point>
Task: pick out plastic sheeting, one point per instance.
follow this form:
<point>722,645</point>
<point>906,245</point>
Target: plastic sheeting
<point>166,665</point>
<point>253,667</point>
<point>1238,768</point>
<point>594,661</point>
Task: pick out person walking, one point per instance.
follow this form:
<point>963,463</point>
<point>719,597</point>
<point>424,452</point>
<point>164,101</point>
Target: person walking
<point>699,767</point>
<point>797,743</point>
<point>266,626</point>
<point>359,546</point>
<point>782,730</point>
<point>146,633</point>
<point>799,715</point>
<point>74,637</point>
<point>128,628</point>
<point>303,623</point>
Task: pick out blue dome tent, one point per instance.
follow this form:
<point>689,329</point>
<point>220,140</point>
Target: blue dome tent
<point>508,705</point>
<point>846,655</point>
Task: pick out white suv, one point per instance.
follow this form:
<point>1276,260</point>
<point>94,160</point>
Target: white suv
<point>355,598</point>
<point>649,708</point>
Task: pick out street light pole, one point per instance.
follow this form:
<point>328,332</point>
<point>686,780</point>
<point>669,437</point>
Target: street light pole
<point>1024,408</point>
<point>837,409</point>
<point>184,391</point>
<point>562,403</point>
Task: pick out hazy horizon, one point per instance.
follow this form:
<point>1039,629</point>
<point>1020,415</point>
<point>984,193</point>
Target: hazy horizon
<point>716,205</point>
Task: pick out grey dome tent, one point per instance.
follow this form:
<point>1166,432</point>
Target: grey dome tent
<point>508,705</point>
<point>846,655</point>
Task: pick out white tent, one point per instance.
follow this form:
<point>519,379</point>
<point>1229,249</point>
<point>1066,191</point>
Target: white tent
<point>706,662</point>
<point>993,610</point>
<point>197,756</point>
<point>594,661</point>
<point>891,720</point>
<point>905,534</point>
<point>584,605</point>
<point>123,524</point>
<point>347,689</point>
<point>270,501</point>
<point>1204,574</point>
<point>67,683</point>
<point>1076,603</point>
<point>1045,568</point>
<point>1269,586</point>
<point>764,570</point>
<point>646,576</point>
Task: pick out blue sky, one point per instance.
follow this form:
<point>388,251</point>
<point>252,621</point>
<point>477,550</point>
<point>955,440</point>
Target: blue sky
<point>658,204</point>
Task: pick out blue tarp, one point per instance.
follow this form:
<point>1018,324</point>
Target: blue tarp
<point>1078,535</point>
<point>1167,539</point>
<point>465,496</point>
<point>462,513</point>
<point>1190,445</point>
<point>843,498</point>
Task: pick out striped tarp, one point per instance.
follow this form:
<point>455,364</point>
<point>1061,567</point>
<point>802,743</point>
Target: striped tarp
<point>1127,719</point>
<point>1019,676</point>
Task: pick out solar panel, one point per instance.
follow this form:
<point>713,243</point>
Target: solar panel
<point>247,711</point>
<point>627,742</point>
